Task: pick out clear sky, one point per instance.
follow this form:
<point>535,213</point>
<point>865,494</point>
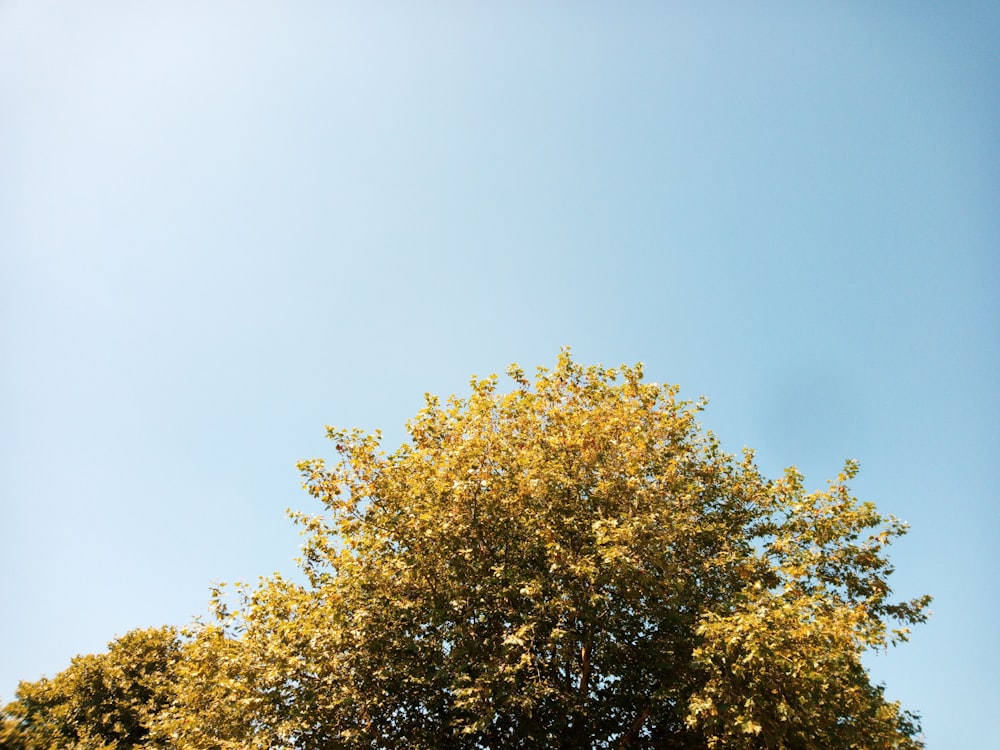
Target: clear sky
<point>224,225</point>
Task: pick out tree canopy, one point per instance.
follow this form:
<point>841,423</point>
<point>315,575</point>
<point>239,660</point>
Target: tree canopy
<point>574,563</point>
<point>107,701</point>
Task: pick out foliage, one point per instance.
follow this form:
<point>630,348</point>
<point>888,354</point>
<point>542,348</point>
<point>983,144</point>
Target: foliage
<point>105,701</point>
<point>572,564</point>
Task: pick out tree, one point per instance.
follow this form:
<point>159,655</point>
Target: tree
<point>107,701</point>
<point>571,564</point>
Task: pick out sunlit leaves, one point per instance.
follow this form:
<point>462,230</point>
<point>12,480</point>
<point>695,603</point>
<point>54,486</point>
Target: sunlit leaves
<point>573,563</point>
<point>107,701</point>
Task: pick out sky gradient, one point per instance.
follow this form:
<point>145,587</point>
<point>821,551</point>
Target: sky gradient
<point>225,225</point>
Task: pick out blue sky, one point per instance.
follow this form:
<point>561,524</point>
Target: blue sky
<point>225,225</point>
